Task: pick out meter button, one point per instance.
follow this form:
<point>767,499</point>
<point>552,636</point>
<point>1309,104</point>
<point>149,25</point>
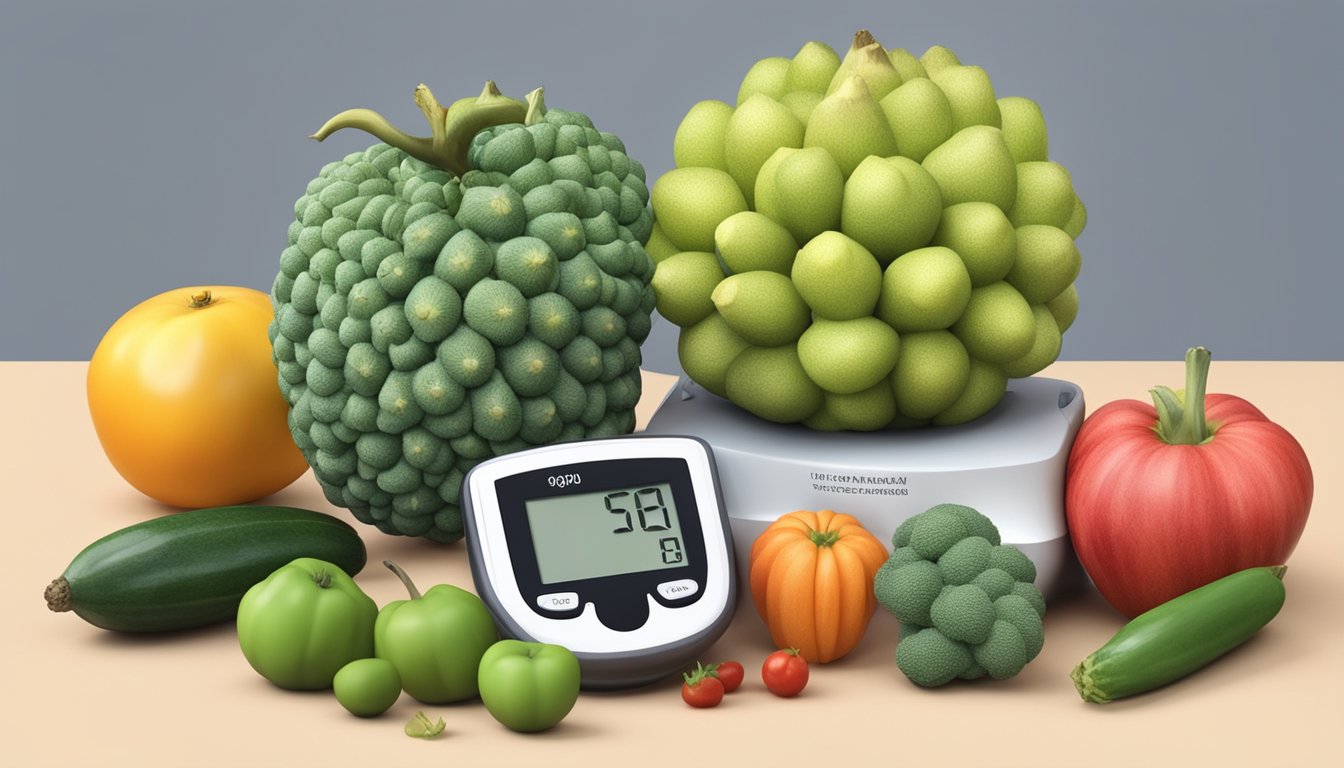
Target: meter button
<point>559,602</point>
<point>679,589</point>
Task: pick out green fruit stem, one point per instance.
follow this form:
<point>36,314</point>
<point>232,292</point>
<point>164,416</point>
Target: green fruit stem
<point>824,538</point>
<point>1180,417</point>
<point>410,585</point>
<point>452,128</point>
<point>699,673</point>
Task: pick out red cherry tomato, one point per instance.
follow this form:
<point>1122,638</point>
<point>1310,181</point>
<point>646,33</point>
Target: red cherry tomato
<point>701,688</point>
<point>785,672</point>
<point>730,673</point>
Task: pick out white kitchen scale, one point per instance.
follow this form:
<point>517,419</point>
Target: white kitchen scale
<point>618,549</point>
<point>1009,464</point>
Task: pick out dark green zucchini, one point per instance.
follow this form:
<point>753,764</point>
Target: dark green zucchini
<point>191,569</point>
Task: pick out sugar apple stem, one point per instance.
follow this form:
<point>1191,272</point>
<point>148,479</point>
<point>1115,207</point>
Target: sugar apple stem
<point>371,122</point>
<point>452,128</point>
<point>536,108</point>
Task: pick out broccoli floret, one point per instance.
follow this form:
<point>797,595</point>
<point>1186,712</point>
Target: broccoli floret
<point>996,582</point>
<point>1004,652</point>
<point>1020,613</point>
<point>1011,559</point>
<point>908,590</point>
<point>963,613</point>
<point>940,527</point>
<point>930,659</point>
<point>1031,594</point>
<point>966,602</point>
<point>966,559</point>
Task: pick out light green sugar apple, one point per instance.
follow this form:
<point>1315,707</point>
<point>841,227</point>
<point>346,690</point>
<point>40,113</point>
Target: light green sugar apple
<point>868,242</point>
<point>448,299</point>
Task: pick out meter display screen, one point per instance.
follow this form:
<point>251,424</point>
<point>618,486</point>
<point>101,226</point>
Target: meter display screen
<point>605,533</point>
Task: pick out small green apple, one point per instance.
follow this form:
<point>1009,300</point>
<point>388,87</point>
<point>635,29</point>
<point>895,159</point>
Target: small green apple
<point>367,687</point>
<point>528,687</point>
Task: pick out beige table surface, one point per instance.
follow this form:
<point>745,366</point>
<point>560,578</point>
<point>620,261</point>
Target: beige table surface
<point>74,695</point>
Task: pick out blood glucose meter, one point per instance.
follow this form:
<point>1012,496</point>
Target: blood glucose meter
<point>618,549</point>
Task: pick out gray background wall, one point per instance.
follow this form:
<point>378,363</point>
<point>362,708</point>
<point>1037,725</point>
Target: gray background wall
<point>147,144</point>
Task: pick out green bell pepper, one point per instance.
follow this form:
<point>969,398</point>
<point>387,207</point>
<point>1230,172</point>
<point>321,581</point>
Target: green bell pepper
<point>435,641</point>
<point>304,622</point>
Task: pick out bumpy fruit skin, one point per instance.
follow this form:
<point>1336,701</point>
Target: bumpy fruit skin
<point>426,322</point>
<point>898,158</point>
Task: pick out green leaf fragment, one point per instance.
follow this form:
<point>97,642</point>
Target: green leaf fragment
<point>421,727</point>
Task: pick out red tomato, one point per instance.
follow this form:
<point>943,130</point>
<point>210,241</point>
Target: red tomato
<point>730,673</point>
<point>785,672</point>
<point>701,688</point>
<point>1215,489</point>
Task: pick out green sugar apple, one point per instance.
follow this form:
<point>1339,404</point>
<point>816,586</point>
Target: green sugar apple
<point>448,299</point>
<point>863,243</point>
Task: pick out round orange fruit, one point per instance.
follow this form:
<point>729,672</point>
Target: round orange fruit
<point>184,398</point>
